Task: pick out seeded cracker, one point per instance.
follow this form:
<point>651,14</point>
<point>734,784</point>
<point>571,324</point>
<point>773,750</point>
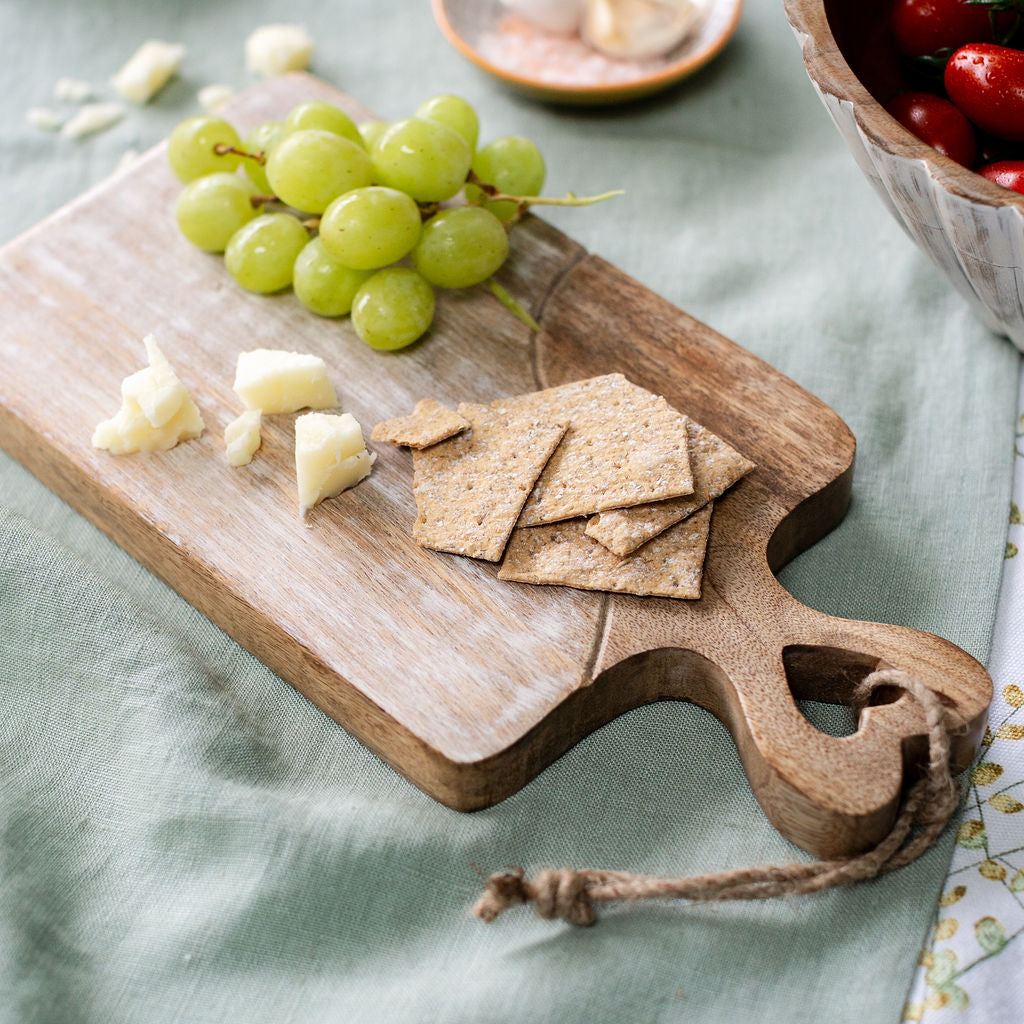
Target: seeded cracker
<point>562,554</point>
<point>624,446</point>
<point>470,489</point>
<point>716,467</point>
<point>429,423</point>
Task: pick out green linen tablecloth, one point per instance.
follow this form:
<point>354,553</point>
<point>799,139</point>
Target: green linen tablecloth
<point>184,838</point>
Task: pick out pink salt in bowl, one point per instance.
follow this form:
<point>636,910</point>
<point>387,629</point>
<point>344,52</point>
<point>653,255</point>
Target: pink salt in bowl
<point>561,69</point>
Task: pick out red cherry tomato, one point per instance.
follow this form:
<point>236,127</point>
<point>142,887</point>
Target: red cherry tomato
<point>1008,173</point>
<point>922,27</point>
<point>937,122</point>
<point>987,83</point>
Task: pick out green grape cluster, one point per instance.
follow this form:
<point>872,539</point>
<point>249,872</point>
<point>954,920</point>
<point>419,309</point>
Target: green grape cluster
<point>351,216</point>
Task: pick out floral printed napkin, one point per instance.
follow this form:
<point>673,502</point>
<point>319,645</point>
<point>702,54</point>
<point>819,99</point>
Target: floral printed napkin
<point>970,970</point>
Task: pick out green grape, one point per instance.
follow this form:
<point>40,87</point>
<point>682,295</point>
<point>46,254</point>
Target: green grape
<point>322,284</point>
<point>454,112</point>
<point>323,116</point>
<point>392,308</point>
<point>191,144</point>
<point>425,159</point>
<point>262,139</point>
<point>309,168</point>
<point>369,228</point>
<point>513,165</point>
<point>460,247</point>
<point>371,131</point>
<point>212,208</point>
<point>262,253</point>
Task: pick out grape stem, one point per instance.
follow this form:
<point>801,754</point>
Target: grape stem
<point>569,199</point>
<point>258,201</point>
<point>514,306</point>
<point>523,203</point>
<point>223,149</point>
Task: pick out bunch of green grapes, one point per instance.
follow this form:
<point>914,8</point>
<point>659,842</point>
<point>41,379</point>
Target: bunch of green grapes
<point>351,216</point>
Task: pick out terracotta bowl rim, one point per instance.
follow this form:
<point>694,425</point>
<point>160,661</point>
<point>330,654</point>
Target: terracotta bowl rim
<point>827,68</point>
<point>643,85</point>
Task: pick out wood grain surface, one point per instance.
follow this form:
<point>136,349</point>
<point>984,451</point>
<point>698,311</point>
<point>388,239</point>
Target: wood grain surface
<point>467,685</point>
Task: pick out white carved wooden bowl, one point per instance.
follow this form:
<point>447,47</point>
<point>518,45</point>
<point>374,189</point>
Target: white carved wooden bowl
<point>972,229</point>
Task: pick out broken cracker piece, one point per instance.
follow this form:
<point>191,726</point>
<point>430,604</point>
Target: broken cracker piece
<point>562,554</point>
<point>470,489</point>
<point>624,446</point>
<point>716,466</point>
<point>430,423</point>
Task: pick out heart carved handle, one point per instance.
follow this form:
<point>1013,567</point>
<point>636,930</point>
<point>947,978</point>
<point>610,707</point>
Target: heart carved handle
<point>749,651</point>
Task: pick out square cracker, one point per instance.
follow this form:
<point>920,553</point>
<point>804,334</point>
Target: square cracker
<point>716,466</point>
<point>562,554</point>
<point>429,424</point>
<point>471,488</point>
<point>624,446</point>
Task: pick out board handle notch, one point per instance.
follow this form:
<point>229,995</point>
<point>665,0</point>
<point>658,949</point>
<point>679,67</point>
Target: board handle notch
<point>834,796</point>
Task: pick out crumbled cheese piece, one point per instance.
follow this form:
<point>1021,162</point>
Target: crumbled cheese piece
<point>93,117</point>
<point>330,456</point>
<point>44,118</point>
<point>213,96</point>
<point>72,90</point>
<point>276,381</point>
<point>128,157</point>
<point>242,437</point>
<point>277,49</point>
<point>156,411</point>
<point>148,70</point>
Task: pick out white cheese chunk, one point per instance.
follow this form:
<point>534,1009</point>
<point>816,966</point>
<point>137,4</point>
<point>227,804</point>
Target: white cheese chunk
<point>148,70</point>
<point>127,158</point>
<point>277,381</point>
<point>211,97</point>
<point>156,390</point>
<point>44,118</point>
<point>93,117</point>
<point>277,49</point>
<point>72,90</point>
<point>242,437</point>
<point>330,456</point>
<point>156,411</point>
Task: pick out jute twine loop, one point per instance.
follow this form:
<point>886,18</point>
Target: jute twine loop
<point>571,895</point>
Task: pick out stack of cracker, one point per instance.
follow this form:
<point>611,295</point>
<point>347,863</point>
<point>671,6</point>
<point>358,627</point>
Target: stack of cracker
<point>598,484</point>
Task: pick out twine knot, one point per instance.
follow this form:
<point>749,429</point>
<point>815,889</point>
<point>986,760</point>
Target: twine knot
<point>557,894</point>
<point>570,895</point>
<point>562,893</point>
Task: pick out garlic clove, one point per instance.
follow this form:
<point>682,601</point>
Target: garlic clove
<point>631,29</point>
<point>561,17</point>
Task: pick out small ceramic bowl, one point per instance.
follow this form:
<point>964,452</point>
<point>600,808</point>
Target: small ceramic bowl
<point>470,24</point>
<point>972,229</point>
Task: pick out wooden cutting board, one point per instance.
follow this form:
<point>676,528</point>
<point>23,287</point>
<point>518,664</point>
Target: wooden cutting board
<point>467,685</point>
